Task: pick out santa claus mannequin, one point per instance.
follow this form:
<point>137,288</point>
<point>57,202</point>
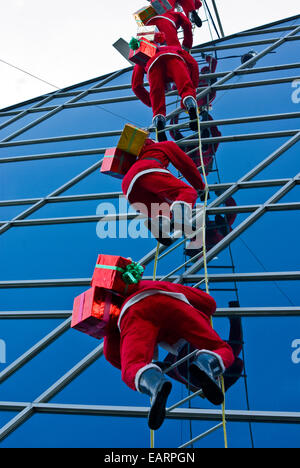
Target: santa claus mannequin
<point>166,314</point>
<point>158,194</point>
<point>190,8</point>
<point>169,23</point>
<point>170,64</point>
<point>207,100</point>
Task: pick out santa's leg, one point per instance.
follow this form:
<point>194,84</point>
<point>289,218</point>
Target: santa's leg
<point>157,83</point>
<point>189,7</point>
<point>166,192</point>
<point>179,73</point>
<point>138,342</point>
<point>214,356</point>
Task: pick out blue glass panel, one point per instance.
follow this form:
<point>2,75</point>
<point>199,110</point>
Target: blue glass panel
<point>40,178</point>
<point>9,212</point>
<point>70,251</point>
<point>18,124</point>
<point>57,101</point>
<point>80,120</point>
<point>286,53</point>
<point>254,101</point>
<point>103,94</point>
<point>260,36</point>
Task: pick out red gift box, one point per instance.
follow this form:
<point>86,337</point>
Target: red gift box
<point>117,274</point>
<point>145,52</point>
<point>161,6</point>
<point>117,163</point>
<point>93,310</point>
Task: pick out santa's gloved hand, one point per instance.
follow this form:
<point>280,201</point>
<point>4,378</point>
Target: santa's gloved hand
<point>186,49</point>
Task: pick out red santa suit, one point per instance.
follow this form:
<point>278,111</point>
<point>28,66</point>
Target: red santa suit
<point>204,82</point>
<point>169,23</point>
<point>170,64</point>
<point>187,5</point>
<point>166,314</point>
<point>149,182</point>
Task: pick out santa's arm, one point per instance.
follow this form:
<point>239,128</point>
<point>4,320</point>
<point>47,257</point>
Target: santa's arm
<point>185,165</point>
<point>137,84</point>
<point>200,300</point>
<point>187,32</point>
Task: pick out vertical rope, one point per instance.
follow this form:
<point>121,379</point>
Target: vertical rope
<point>154,278</point>
<point>205,261</point>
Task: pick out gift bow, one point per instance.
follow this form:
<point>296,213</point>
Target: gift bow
<point>133,273</point>
<point>134,44</point>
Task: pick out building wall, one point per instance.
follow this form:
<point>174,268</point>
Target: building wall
<point>39,157</point>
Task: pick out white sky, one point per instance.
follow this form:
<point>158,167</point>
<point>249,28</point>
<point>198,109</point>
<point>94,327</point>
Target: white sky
<point>65,42</point>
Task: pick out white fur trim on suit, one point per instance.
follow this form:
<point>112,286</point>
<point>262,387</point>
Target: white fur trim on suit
<point>149,292</point>
<point>161,17</point>
<point>186,97</point>
<point>179,202</point>
<point>158,115</point>
<point>147,171</point>
<point>141,371</point>
<point>202,351</point>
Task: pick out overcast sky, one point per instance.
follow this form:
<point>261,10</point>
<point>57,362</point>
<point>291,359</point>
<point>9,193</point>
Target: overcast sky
<point>65,42</point>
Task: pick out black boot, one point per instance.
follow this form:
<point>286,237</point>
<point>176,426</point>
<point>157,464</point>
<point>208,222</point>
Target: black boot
<point>205,370</point>
<point>191,106</point>
<point>152,382</point>
<point>159,122</point>
<point>160,227</point>
<point>195,18</point>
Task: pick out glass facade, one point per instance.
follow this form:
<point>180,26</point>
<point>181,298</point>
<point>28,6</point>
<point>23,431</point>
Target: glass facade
<point>52,226</point>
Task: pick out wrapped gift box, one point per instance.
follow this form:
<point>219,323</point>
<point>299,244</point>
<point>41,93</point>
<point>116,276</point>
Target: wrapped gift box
<point>144,14</point>
<point>118,274</point>
<point>161,6</point>
<point>145,52</point>
<point>148,32</point>
<point>117,163</point>
<point>132,139</point>
<point>93,310</point>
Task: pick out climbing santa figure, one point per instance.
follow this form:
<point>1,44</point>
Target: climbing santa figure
<point>205,102</point>
<point>169,64</point>
<point>169,24</point>
<point>154,191</point>
<point>190,8</point>
<point>151,313</point>
<point>135,316</point>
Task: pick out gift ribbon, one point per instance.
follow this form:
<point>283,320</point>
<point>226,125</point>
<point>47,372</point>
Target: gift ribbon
<point>165,5</point>
<point>146,13</point>
<point>132,274</point>
<point>131,139</point>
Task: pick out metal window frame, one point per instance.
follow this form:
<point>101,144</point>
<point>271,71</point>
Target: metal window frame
<point>27,409</point>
